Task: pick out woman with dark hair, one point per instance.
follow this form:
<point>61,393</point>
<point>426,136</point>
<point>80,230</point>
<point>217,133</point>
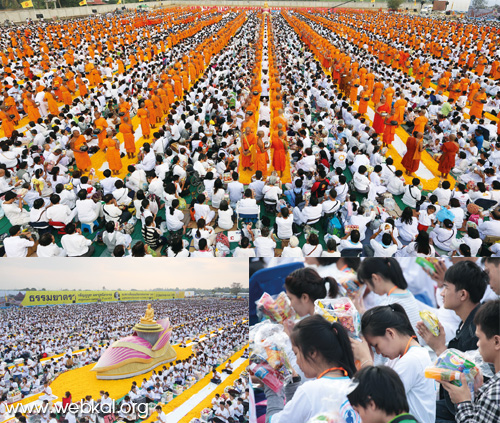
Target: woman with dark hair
<point>312,248</point>
<point>421,247</point>
<point>388,330</point>
<point>324,355</point>
<point>407,225</point>
<point>304,286</point>
<point>384,276</point>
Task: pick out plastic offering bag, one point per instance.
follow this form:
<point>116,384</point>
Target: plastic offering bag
<point>278,309</point>
<point>340,310</point>
<point>431,321</point>
<point>269,362</point>
<point>349,285</point>
<point>454,361</point>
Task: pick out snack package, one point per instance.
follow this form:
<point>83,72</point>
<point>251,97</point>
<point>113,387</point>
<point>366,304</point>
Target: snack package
<point>430,320</point>
<point>278,309</point>
<point>452,361</point>
<point>269,362</point>
<point>427,263</point>
<point>341,310</point>
<point>349,285</point>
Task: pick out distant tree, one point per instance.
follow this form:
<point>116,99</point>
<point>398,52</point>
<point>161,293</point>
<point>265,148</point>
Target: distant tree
<point>235,288</point>
<point>394,4</point>
<point>479,4</point>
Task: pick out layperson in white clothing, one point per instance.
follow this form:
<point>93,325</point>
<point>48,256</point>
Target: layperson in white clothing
<point>324,355</point>
<point>389,331</point>
<point>75,244</point>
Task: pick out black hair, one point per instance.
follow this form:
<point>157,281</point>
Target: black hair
<point>383,386</point>
<point>45,239</point>
<point>138,249</point>
<point>388,268</point>
<point>314,333</point>
<point>378,319</point>
<point>307,281</point>
<point>469,276</point>
<point>175,203</point>
<point>488,318</point>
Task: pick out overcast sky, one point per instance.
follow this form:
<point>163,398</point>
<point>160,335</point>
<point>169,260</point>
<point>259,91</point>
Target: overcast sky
<point>127,273</point>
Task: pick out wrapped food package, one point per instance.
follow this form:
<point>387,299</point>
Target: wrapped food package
<point>430,321</point>
<point>452,360</point>
<point>340,310</point>
<point>278,309</point>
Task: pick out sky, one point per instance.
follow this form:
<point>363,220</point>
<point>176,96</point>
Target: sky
<point>128,273</point>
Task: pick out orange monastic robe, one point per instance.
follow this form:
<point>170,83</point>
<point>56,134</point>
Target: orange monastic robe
<point>128,136</point>
<point>112,154</point>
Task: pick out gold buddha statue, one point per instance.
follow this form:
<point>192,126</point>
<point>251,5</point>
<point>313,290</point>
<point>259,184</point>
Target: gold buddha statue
<point>149,316</point>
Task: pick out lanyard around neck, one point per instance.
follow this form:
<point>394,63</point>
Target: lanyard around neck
<point>331,369</point>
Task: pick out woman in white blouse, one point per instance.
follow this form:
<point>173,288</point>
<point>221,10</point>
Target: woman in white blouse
<point>175,217</point>
<point>407,225</point>
<point>218,194</point>
<point>225,220</point>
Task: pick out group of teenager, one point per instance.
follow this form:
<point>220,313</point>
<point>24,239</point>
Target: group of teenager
<point>387,363</point>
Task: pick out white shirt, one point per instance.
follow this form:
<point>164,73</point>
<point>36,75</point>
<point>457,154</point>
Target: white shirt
<point>420,391</point>
<point>75,244</point>
<point>88,210</point>
<point>312,250</point>
<point>443,196</point>
<point>16,215</point>
<point>51,250</point>
<point>361,182</point>
<point>313,397</point>
<point>108,185</point>
<point>244,252</point>
<point>411,196</point>
<point>235,190</point>
<point>380,250</point>
<point>292,252</point>
<point>174,221</point>
<point>59,213</point>
<point>407,232</point>
<point>264,247</point>
<point>225,218</point>
<point>489,228</point>
<point>16,246</point>
<point>284,227</point>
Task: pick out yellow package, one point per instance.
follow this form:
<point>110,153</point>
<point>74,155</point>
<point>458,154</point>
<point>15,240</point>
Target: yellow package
<point>430,320</point>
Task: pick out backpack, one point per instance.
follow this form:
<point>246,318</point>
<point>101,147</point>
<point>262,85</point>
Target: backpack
<point>484,132</point>
<point>334,226</point>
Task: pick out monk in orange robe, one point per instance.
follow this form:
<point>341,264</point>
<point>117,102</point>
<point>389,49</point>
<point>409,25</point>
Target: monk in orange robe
<point>7,124</point>
<point>32,108</point>
<point>82,158</point>
<point>143,114</point>
<point>478,102</point>
<point>112,147</point>
<point>127,130</point>
<point>261,157</point>
<point>247,142</point>
<point>101,124</point>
